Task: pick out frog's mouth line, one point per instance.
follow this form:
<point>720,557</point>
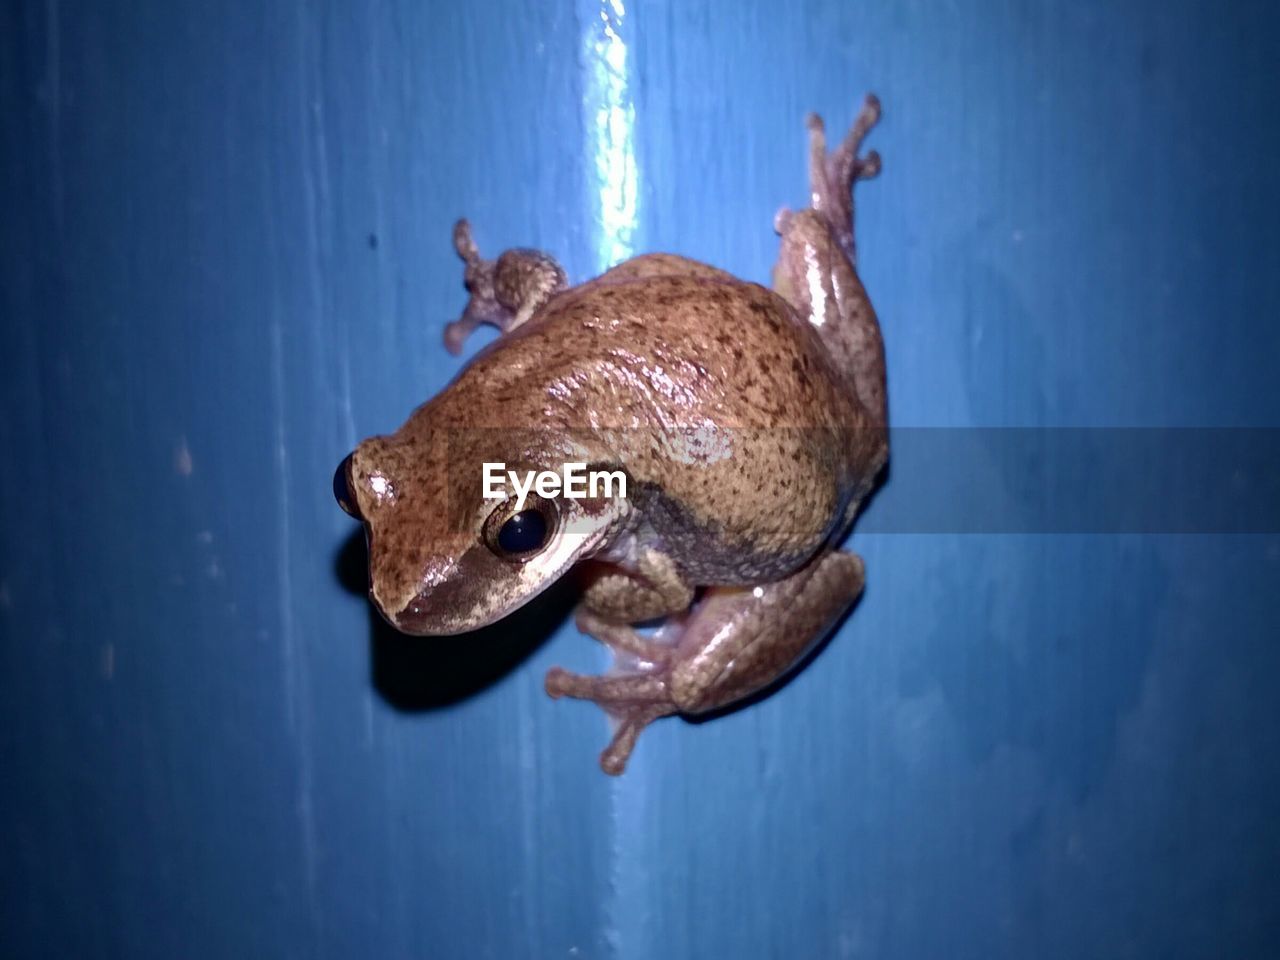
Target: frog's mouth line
<point>482,588</point>
<point>449,609</point>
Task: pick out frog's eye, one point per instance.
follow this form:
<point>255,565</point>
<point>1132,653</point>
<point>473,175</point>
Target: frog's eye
<point>522,535</point>
<point>342,488</point>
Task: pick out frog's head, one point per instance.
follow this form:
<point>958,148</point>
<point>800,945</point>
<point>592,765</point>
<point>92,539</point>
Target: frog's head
<point>443,559</point>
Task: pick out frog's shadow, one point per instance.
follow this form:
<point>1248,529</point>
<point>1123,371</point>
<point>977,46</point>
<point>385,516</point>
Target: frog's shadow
<point>427,673</point>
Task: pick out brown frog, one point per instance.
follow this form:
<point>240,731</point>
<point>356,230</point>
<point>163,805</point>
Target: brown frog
<point>748,423</point>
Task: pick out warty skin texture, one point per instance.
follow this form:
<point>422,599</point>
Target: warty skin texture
<point>750,423</point>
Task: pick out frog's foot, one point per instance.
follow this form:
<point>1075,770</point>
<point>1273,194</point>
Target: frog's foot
<point>832,175</point>
<point>635,692</point>
<point>732,643</point>
<point>504,292</point>
<point>632,700</point>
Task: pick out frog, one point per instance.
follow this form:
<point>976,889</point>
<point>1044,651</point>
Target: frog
<point>750,424</point>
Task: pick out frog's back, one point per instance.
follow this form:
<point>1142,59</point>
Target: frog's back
<point>688,346</point>
<point>721,403</point>
<point>738,349</point>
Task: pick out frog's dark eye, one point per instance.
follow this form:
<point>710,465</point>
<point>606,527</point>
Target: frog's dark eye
<point>520,536</point>
<point>523,533</point>
<point>342,488</point>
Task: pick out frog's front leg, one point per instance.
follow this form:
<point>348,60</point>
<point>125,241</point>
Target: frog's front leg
<point>643,585</point>
<point>504,292</point>
<point>733,643</point>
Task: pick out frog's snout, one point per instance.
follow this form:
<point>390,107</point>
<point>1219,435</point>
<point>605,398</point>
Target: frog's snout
<point>443,610</point>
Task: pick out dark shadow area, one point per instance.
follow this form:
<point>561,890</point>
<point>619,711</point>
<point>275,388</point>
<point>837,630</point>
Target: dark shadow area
<point>426,673</point>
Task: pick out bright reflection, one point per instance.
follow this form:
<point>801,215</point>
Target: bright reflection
<point>610,119</point>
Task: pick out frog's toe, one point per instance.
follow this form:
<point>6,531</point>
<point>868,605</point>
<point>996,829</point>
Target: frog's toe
<point>642,688</point>
<point>865,168</point>
<point>832,174</point>
<point>481,308</point>
<point>867,118</point>
<point>464,243</point>
<point>614,757</point>
<point>456,333</point>
<point>633,701</point>
<point>846,167</point>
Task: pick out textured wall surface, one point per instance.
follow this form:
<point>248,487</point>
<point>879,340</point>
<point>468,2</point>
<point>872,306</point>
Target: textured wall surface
<point>226,258</point>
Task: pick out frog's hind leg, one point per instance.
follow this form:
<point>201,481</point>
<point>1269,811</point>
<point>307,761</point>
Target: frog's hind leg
<point>832,175</point>
<point>815,271</point>
<point>733,642</point>
<point>504,292</point>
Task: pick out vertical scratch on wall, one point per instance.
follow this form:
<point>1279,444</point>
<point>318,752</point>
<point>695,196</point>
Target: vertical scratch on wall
<point>318,207</point>
<point>53,90</point>
<point>297,689</point>
<point>609,125</point>
<point>530,831</point>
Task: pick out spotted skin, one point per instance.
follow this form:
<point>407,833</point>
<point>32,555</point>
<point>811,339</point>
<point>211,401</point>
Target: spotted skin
<point>749,422</point>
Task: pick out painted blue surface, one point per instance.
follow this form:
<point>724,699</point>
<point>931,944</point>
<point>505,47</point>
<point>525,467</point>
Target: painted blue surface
<point>225,258</point>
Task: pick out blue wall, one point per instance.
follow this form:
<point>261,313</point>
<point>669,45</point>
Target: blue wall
<point>226,258</point>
